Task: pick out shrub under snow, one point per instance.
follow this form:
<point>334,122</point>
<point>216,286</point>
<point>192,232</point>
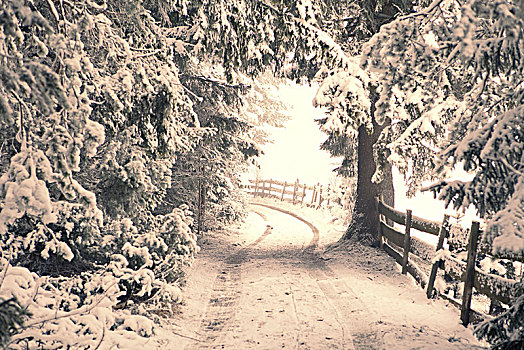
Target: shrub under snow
<point>98,308</point>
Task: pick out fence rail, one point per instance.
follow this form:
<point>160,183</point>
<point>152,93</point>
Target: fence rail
<point>399,245</point>
<point>295,192</point>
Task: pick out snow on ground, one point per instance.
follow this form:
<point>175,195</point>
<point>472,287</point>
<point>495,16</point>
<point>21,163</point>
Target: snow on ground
<point>266,287</point>
<point>332,226</point>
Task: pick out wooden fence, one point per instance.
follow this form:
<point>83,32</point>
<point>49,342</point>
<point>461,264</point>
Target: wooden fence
<point>294,192</point>
<point>407,250</point>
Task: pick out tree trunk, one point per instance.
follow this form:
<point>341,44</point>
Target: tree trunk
<point>364,222</point>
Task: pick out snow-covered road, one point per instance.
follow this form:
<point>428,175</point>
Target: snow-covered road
<point>266,285</point>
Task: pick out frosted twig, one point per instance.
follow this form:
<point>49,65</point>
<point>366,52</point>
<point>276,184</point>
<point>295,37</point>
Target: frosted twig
<point>200,99</point>
<point>275,10</point>
<point>80,310</point>
<point>152,53</point>
<point>483,85</point>
<point>101,338</point>
<point>516,171</point>
<point>139,49</point>
<point>63,12</point>
<point>23,135</point>
<point>37,287</point>
<point>55,14</point>
<point>65,2</point>
<point>217,82</point>
<point>425,12</point>
<point>5,272</point>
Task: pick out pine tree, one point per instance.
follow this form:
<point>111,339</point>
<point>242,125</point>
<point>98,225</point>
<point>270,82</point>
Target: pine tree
<point>457,67</point>
<point>12,317</point>
<point>506,331</point>
<point>46,124</point>
<point>480,106</point>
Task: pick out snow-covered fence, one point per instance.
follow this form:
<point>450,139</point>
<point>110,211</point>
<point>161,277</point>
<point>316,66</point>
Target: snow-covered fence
<point>294,192</point>
<point>399,245</point>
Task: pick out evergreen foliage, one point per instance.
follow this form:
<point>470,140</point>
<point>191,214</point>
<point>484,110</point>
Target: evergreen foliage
<point>451,73</point>
<point>455,67</point>
<point>121,120</point>
<point>12,317</point>
<point>506,331</point>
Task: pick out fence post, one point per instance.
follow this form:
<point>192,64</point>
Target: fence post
<point>295,191</point>
<point>283,191</point>
<point>441,236</point>
<point>269,191</point>
<point>379,227</point>
<point>314,194</point>
<point>470,273</point>
<point>303,192</point>
<point>406,243</point>
<point>256,187</point>
<point>320,199</point>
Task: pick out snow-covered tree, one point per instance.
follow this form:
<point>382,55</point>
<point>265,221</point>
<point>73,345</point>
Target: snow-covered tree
<point>46,126</point>
<point>452,73</point>
<point>92,113</point>
<point>456,67</point>
<point>506,331</point>
<point>350,93</point>
<point>140,101</point>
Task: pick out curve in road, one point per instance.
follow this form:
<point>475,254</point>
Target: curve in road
<point>316,234</point>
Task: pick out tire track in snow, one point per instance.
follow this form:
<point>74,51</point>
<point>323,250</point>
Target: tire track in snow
<point>346,305</point>
<point>349,312</point>
<point>316,234</point>
<point>222,303</point>
<point>260,214</point>
<point>223,300</point>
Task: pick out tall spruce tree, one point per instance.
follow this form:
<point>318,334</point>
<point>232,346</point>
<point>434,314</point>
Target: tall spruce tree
<point>458,67</point>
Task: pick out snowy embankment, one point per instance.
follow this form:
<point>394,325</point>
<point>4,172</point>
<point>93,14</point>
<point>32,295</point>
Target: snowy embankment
<point>115,306</point>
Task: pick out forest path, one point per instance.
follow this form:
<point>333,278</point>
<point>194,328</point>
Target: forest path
<point>266,285</point>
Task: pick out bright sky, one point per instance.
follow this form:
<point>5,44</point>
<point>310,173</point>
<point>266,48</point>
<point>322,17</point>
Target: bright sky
<point>295,152</point>
<point>424,205</point>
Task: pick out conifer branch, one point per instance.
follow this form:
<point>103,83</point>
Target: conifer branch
<point>81,310</point>
<point>54,12</point>
<point>148,54</point>
<point>511,167</point>
<point>101,338</point>
<point>220,83</point>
